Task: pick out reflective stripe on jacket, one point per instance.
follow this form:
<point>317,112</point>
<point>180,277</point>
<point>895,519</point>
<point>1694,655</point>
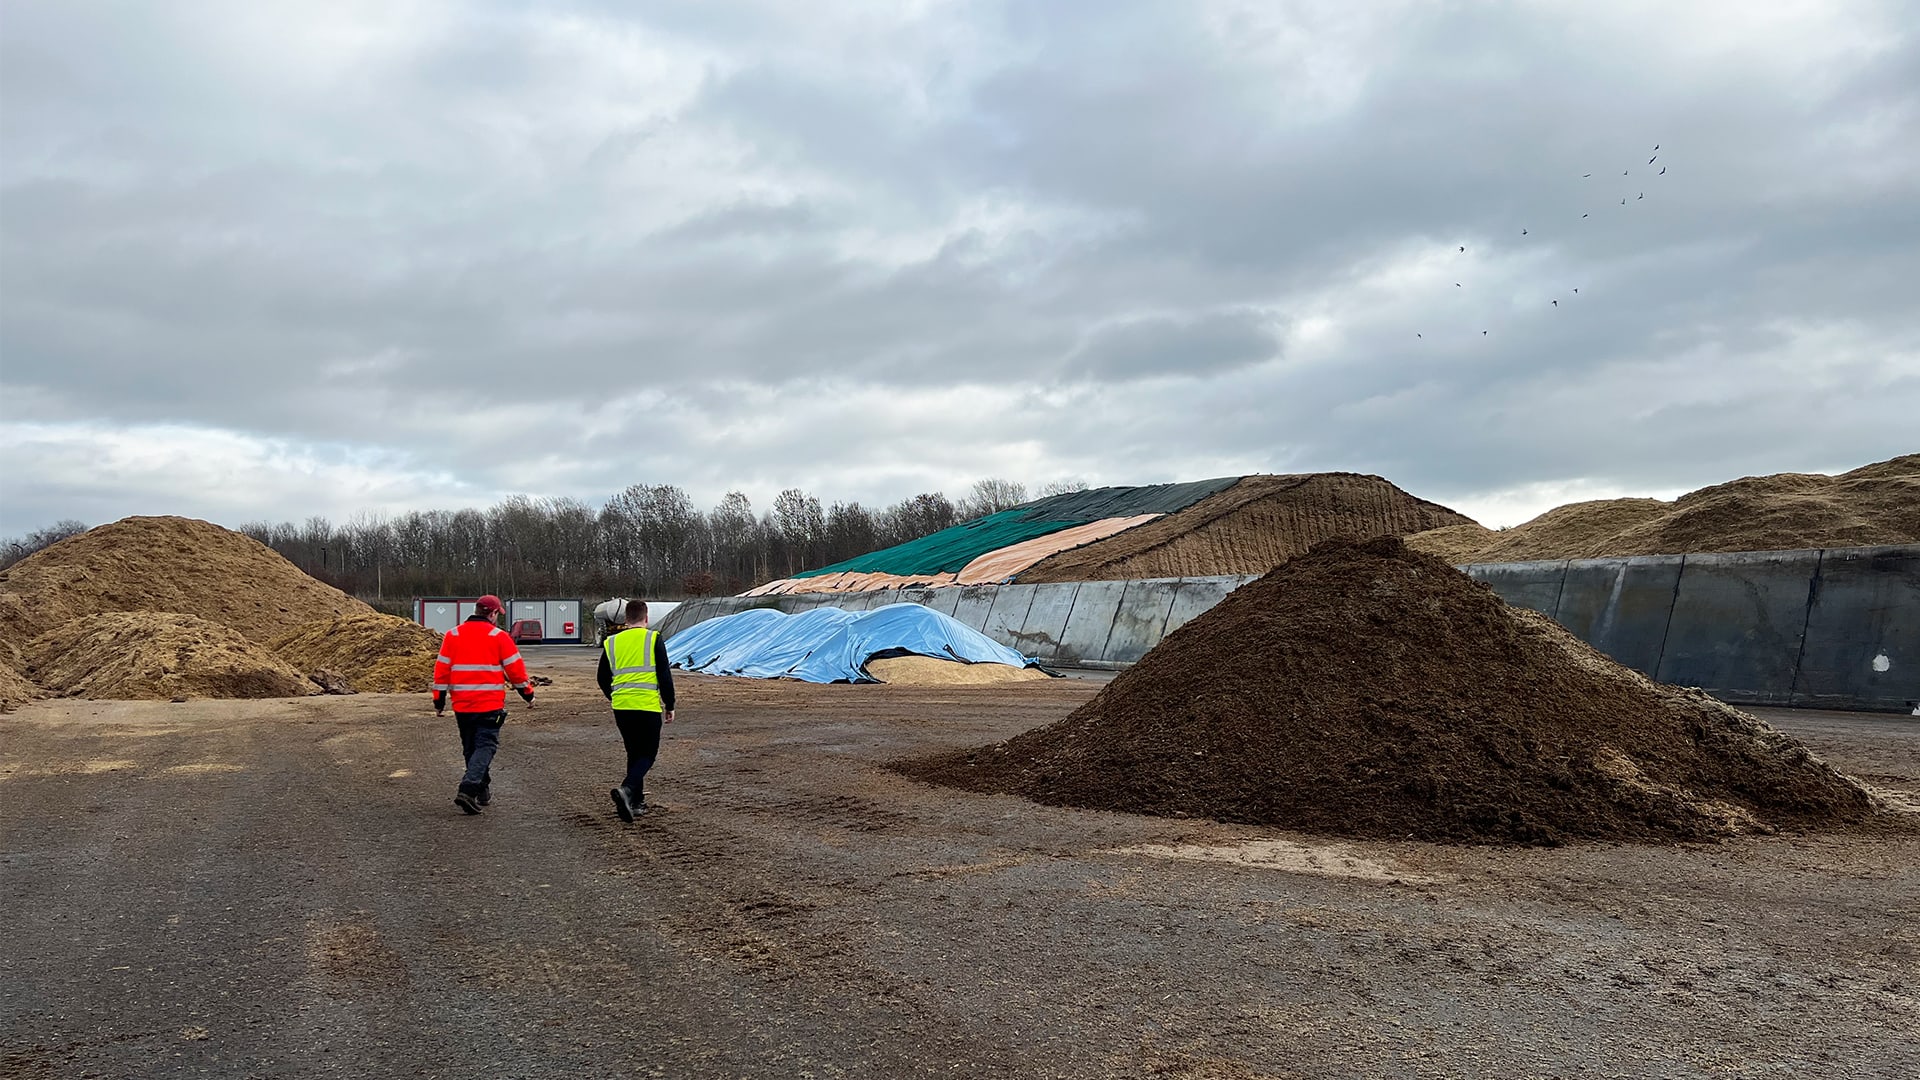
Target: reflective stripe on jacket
<point>477,662</point>
<point>636,681</point>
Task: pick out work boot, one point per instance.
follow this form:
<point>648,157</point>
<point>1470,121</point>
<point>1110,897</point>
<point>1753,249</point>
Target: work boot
<point>639,803</point>
<point>486,795</point>
<point>467,802</point>
<point>622,802</point>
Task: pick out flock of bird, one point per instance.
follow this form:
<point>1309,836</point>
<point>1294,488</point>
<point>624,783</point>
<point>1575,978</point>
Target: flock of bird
<point>1584,176</point>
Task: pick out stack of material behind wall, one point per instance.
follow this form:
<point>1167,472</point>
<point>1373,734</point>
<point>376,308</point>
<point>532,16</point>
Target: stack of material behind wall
<point>1365,689</point>
<point>378,654</point>
<point>1249,528</point>
<point>1874,504</point>
<point>156,656</point>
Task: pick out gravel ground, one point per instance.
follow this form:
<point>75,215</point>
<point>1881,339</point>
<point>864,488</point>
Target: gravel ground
<point>284,888</point>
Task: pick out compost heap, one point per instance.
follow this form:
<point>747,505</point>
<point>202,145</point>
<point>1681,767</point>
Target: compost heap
<point>379,654</point>
<point>931,671</point>
<point>1249,528</point>
<point>1874,504</point>
<point>155,655</point>
<point>1368,690</point>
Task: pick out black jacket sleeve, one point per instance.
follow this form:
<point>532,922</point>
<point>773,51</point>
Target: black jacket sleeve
<point>606,676</point>
<point>665,671</point>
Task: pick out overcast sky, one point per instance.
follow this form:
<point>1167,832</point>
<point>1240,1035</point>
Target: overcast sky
<point>272,260</point>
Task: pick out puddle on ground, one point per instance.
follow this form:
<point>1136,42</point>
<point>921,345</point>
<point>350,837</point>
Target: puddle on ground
<point>1291,856</point>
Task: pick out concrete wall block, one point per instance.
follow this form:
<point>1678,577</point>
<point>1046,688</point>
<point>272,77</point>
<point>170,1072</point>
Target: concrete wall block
<point>1095,603</point>
<point>1142,619</point>
<point>1737,625</point>
<point>1008,616</point>
<point>1862,647</point>
<point>1532,585</point>
<point>1046,620</point>
<point>974,605</point>
<point>1193,596</point>
<point>1620,606</point>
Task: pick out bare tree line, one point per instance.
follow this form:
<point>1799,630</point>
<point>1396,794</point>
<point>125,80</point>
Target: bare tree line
<point>649,540</point>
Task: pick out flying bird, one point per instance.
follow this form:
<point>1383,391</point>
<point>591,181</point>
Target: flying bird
<point>1653,159</point>
<point>1583,215</point>
<point>1663,171</point>
<point>1584,175</point>
<point>1456,284</point>
<point>1463,249</point>
<point>1656,146</point>
<point>1576,290</point>
<point>1623,202</point>
<point>1419,335</point>
<point>1627,171</point>
<point>1643,194</point>
<point>1483,333</point>
<point>1556,303</point>
<point>1523,232</point>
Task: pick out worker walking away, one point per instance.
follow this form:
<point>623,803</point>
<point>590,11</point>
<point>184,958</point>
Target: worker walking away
<point>477,662</point>
<point>636,678</point>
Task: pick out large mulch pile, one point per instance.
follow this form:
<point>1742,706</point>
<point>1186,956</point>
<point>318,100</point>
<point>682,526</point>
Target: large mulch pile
<point>1874,504</point>
<point>1365,689</point>
<point>154,655</point>
<point>167,564</point>
<point>379,654</point>
<point>932,671</point>
<point>1249,528</point>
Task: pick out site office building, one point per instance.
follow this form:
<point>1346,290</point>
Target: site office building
<point>531,620</point>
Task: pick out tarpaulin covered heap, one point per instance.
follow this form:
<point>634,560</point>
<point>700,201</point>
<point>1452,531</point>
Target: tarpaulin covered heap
<point>829,645</point>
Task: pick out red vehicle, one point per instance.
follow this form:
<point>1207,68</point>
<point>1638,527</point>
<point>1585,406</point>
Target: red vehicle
<point>528,630</point>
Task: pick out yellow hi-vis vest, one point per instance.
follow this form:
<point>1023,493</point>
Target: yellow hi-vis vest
<point>636,685</point>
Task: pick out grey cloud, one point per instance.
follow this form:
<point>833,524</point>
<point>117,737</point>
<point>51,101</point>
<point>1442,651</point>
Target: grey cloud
<point>179,246</point>
<point>1191,346</point>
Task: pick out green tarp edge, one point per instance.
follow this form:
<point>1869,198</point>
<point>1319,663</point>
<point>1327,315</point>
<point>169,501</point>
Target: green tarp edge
<point>949,550</point>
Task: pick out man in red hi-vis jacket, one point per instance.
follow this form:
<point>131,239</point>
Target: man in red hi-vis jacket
<point>477,662</point>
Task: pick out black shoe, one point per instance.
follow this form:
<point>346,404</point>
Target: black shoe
<point>621,803</point>
<point>641,809</point>
<point>486,796</point>
<point>467,802</point>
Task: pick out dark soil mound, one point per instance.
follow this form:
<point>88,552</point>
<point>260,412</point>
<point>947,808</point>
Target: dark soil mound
<point>1364,689</point>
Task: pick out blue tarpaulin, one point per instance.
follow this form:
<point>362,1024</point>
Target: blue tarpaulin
<point>829,645</point>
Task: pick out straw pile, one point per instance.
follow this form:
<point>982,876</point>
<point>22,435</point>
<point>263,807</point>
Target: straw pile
<point>932,671</point>
<point>152,655</point>
<point>378,654</point>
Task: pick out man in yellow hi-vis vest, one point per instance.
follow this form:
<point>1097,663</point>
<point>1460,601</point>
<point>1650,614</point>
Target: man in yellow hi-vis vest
<point>636,679</point>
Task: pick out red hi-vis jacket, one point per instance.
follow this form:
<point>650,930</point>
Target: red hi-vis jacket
<point>477,660</point>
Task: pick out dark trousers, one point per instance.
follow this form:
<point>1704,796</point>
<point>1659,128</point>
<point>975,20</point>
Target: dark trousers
<point>641,732</point>
<point>479,740</point>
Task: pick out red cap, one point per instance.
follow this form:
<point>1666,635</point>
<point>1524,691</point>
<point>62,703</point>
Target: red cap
<point>488,604</point>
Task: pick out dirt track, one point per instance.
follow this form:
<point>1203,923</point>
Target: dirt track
<point>284,889</point>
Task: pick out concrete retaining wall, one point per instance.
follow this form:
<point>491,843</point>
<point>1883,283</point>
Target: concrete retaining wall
<point>1833,629</point>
